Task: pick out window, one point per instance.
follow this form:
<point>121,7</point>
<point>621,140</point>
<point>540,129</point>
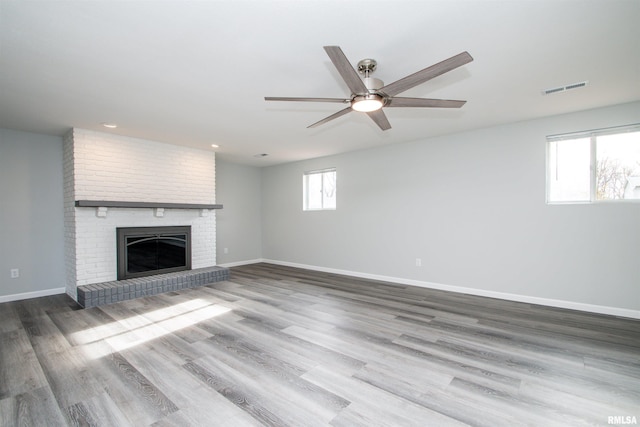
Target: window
<point>319,190</point>
<point>593,166</point>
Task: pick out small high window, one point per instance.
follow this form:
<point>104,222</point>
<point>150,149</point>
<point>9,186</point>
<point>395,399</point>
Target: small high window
<point>319,190</point>
<point>594,166</point>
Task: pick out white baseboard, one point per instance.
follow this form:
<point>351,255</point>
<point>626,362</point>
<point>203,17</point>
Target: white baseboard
<point>29,295</point>
<point>571,305</point>
<point>238,263</point>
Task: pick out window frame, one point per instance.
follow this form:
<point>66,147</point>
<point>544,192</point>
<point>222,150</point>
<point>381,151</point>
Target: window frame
<point>305,189</point>
<point>593,138</point>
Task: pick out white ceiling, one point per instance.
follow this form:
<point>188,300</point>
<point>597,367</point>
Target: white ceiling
<point>196,72</point>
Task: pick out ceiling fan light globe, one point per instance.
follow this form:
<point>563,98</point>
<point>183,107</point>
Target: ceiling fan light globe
<point>367,103</point>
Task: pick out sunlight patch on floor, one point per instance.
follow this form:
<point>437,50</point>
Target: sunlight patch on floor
<point>142,328</point>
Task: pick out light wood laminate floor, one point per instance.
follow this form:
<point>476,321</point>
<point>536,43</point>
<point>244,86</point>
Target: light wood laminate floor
<point>280,346</point>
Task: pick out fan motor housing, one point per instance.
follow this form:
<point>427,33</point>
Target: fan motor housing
<point>372,83</point>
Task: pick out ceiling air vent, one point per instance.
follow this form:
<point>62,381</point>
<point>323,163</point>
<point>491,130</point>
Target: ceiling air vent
<point>564,88</point>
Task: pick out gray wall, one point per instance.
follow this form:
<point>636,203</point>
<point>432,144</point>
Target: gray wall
<point>31,213</point>
<point>238,224</point>
<point>472,207</point>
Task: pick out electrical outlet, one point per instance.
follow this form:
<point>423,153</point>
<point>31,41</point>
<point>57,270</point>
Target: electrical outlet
<point>418,262</point>
<point>15,273</point>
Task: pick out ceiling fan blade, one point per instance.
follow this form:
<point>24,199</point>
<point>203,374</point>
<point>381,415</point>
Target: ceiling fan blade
<point>346,70</point>
<point>282,98</point>
<point>380,118</point>
<point>428,73</point>
<point>331,117</point>
<point>424,103</point>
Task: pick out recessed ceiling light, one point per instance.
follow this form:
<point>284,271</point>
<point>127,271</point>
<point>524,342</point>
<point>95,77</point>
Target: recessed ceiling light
<point>260,155</point>
<point>215,146</point>
<point>110,125</point>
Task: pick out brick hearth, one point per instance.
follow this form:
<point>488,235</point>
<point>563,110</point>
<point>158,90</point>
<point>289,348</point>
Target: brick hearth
<point>104,293</point>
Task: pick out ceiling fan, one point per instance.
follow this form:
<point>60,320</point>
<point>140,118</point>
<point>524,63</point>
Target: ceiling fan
<point>370,95</point>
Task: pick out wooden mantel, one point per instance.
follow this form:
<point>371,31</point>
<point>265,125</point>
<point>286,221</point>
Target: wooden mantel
<point>136,205</point>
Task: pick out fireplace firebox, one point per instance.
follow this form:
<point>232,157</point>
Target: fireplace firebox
<point>145,251</point>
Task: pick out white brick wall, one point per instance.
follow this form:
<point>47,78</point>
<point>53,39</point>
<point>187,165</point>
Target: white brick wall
<point>69,215</point>
<point>109,167</point>
<point>102,166</point>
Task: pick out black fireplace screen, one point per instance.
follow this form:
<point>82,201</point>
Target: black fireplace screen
<point>144,251</point>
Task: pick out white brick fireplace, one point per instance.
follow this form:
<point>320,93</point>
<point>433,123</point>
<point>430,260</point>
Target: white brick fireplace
<point>105,167</point>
